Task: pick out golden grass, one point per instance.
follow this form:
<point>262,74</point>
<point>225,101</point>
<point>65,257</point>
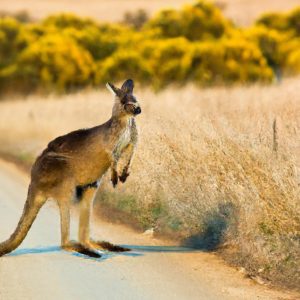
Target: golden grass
<point>204,166</point>
<point>243,12</point>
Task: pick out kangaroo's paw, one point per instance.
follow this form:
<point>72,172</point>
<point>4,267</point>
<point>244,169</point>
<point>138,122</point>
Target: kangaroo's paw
<point>103,245</point>
<point>124,176</point>
<point>82,249</point>
<point>114,178</point>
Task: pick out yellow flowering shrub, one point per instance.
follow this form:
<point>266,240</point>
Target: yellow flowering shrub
<point>123,64</point>
<point>276,21</point>
<point>294,21</point>
<point>193,44</point>
<point>65,20</point>
<point>228,61</point>
<point>10,40</point>
<point>288,22</point>
<point>290,51</point>
<point>195,22</point>
<point>270,42</point>
<point>99,45</point>
<point>168,60</point>
<point>54,62</point>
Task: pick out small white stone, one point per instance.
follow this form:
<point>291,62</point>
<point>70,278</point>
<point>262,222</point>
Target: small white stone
<point>149,232</point>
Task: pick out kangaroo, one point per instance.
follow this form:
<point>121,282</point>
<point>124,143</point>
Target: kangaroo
<point>71,167</point>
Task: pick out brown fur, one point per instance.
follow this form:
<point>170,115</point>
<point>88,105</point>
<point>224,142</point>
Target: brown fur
<point>77,161</point>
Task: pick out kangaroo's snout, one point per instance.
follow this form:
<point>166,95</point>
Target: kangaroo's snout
<point>137,110</point>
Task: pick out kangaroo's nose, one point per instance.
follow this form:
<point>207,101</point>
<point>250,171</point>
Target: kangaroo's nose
<point>137,110</point>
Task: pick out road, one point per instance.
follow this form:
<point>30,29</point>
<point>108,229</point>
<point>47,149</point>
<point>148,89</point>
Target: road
<point>154,269</point>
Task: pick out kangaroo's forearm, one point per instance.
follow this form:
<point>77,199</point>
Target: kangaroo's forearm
<point>126,170</point>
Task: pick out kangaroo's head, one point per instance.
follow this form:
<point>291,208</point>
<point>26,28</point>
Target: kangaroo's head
<point>125,103</point>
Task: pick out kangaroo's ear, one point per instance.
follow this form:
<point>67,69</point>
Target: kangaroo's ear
<point>114,90</point>
<point>128,86</point>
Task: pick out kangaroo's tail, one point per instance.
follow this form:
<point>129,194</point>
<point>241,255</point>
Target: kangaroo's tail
<point>31,209</point>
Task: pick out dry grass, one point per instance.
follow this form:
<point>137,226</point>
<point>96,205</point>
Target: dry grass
<point>205,167</point>
<point>243,12</point>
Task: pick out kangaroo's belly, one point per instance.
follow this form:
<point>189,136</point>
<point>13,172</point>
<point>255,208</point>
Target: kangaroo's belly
<point>90,168</point>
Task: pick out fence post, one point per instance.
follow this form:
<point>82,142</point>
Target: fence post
<point>275,136</point>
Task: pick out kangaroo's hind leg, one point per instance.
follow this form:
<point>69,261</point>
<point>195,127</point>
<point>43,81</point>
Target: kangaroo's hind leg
<point>64,209</point>
<point>85,215</point>
<point>86,204</point>
<point>64,203</point>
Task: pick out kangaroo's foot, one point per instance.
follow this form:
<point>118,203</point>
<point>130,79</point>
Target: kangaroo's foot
<point>81,248</point>
<point>103,245</point>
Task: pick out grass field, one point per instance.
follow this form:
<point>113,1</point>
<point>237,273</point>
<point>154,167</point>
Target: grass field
<point>205,169</point>
<point>243,12</point>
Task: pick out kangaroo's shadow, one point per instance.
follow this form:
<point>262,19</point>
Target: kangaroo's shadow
<point>136,251</point>
<point>57,249</point>
<point>165,249</point>
<point>36,250</point>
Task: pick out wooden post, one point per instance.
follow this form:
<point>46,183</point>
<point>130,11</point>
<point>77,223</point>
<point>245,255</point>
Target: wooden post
<point>275,136</point>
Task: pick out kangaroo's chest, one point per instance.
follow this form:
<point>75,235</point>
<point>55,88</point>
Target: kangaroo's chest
<point>122,142</point>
